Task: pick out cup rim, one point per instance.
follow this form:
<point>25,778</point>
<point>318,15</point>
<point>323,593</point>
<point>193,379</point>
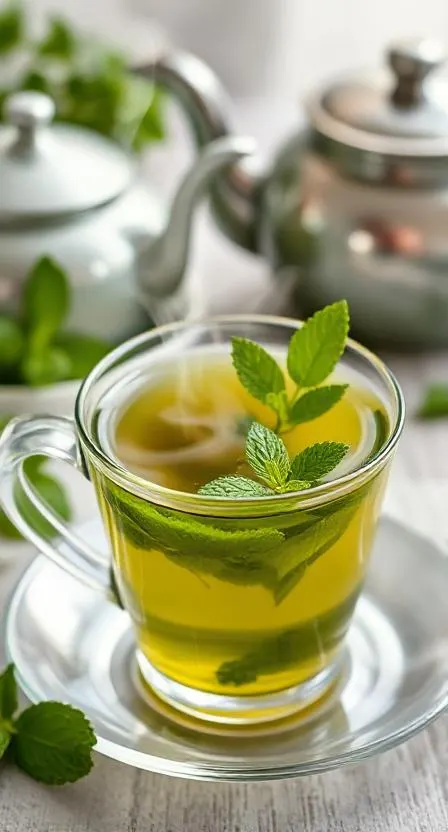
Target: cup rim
<point>225,506</point>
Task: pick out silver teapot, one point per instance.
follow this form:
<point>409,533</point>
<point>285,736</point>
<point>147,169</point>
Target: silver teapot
<point>73,195</point>
<point>355,206</point>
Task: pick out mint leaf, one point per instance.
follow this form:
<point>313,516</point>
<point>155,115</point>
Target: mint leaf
<point>5,739</point>
<point>11,28</point>
<point>271,655</point>
<point>296,485</point>
<point>12,342</point>
<point>151,127</point>
<point>83,352</point>
<point>318,460</point>
<point>59,41</point>
<point>8,694</point>
<point>435,402</point>
<point>51,491</point>
<point>278,402</point>
<point>46,302</point>
<point>315,403</point>
<point>267,455</point>
<point>48,365</point>
<point>54,743</point>
<point>257,371</point>
<point>315,349</point>
<point>234,487</point>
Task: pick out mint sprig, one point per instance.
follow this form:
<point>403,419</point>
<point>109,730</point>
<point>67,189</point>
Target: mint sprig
<point>50,741</point>
<point>267,455</point>
<point>313,352</point>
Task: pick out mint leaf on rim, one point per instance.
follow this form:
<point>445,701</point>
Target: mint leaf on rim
<point>317,346</point>
<point>318,460</point>
<point>257,371</point>
<point>53,743</point>
<point>234,487</point>
<point>267,455</point>
<point>315,403</point>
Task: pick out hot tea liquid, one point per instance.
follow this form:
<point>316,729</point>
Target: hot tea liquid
<point>235,606</point>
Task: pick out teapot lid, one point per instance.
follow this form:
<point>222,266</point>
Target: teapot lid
<point>47,170</point>
<point>401,112</point>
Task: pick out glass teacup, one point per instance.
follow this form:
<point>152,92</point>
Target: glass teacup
<point>239,606</point>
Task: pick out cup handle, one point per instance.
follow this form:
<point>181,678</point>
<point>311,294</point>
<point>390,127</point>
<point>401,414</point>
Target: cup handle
<point>55,438</point>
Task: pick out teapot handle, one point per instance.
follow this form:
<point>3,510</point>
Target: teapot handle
<point>234,193</point>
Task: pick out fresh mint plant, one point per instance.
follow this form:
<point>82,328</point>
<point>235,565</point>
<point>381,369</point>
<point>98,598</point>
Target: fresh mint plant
<point>313,353</point>
<point>90,83</point>
<point>33,349</point>
<point>435,402</point>
<point>50,741</point>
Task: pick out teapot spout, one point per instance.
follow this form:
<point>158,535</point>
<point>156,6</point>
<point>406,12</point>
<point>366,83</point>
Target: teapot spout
<point>233,193</point>
<point>162,266</point>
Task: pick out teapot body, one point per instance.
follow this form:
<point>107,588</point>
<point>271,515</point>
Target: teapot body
<point>383,248</point>
<point>99,250</point>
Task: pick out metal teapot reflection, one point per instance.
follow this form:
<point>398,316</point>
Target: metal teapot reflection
<point>76,196</point>
<point>355,206</point>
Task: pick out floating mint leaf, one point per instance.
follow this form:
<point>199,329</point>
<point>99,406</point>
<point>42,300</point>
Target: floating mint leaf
<point>267,455</point>
<point>54,743</point>
<point>257,371</point>
<point>46,302</point>
<point>296,485</point>
<point>318,460</point>
<point>435,402</point>
<point>317,346</point>
<point>315,403</point>
<point>234,487</point>
<point>8,694</point>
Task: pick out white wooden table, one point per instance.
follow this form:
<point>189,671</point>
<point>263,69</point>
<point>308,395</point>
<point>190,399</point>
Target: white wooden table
<point>405,790</point>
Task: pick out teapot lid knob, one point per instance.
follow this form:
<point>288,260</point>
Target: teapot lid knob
<point>411,61</point>
<point>28,112</point>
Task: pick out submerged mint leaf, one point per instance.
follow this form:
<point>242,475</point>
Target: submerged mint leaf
<point>267,455</point>
<point>234,487</point>
<point>8,694</point>
<point>435,402</point>
<point>315,403</point>
<point>53,743</point>
<point>257,371</point>
<point>270,655</point>
<point>317,346</point>
<point>318,460</point>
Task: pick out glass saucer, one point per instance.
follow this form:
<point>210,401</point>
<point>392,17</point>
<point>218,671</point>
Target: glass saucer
<point>70,644</point>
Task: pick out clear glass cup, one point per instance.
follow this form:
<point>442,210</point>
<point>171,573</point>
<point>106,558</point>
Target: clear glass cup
<point>239,607</point>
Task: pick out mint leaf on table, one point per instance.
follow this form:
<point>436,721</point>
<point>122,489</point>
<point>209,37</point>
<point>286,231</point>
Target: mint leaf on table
<point>315,403</point>
<point>45,302</point>
<point>11,28</point>
<point>316,461</point>
<point>8,694</point>
<point>258,371</point>
<point>53,743</point>
<point>82,351</point>
<point>234,487</point>
<point>435,402</point>
<point>267,455</point>
<point>316,347</point>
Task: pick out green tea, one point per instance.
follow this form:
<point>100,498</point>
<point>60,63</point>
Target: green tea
<point>233,605</point>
